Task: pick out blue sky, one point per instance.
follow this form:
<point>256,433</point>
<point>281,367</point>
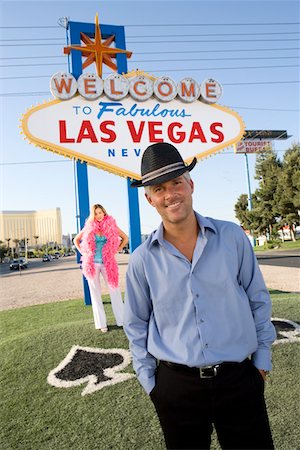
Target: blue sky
<point>251,48</point>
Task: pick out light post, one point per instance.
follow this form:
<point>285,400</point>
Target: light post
<point>26,248</point>
<point>16,241</point>
<point>36,239</point>
<point>8,247</point>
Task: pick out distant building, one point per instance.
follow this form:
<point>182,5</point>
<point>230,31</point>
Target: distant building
<point>66,240</point>
<point>20,225</point>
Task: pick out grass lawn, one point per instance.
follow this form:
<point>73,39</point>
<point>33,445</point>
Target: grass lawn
<point>38,416</point>
<point>287,245</point>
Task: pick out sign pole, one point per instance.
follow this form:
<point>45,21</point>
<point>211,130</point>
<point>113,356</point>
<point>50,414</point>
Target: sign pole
<point>252,240</point>
<point>83,207</point>
<point>81,179</point>
<point>248,182</point>
<point>132,194</point>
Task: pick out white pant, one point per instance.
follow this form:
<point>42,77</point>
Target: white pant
<point>97,305</point>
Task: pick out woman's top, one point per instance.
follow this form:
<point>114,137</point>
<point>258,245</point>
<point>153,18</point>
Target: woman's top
<point>100,241</point>
<point>107,227</point>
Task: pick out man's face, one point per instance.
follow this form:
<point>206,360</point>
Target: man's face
<point>172,199</point>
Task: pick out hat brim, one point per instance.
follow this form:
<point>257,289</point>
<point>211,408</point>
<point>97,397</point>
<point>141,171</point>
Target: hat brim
<point>166,177</point>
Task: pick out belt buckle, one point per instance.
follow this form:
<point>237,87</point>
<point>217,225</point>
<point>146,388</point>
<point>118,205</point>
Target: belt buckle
<point>212,375</point>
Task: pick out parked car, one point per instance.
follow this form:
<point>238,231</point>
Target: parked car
<point>19,263</point>
<point>57,255</point>
<point>46,258</point>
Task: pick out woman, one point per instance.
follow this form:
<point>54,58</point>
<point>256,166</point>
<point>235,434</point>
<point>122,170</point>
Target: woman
<point>98,242</point>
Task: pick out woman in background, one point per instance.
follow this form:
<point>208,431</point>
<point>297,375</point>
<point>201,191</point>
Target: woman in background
<point>98,242</point>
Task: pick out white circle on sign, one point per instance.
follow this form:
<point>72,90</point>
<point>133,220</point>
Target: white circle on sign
<point>63,85</point>
<point>165,89</point>
<point>210,90</point>
<point>90,86</point>
<point>116,86</point>
<point>188,90</point>
<point>141,88</point>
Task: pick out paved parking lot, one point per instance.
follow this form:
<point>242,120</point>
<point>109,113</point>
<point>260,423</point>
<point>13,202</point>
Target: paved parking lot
<point>61,279</point>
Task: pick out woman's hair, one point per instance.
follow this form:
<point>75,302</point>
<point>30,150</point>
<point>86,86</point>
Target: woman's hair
<point>93,210</point>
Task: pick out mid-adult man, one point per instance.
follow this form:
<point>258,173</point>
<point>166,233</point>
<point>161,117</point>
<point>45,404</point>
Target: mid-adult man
<point>197,316</point>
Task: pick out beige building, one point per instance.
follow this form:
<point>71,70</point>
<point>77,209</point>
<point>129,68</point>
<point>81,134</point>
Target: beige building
<point>45,224</point>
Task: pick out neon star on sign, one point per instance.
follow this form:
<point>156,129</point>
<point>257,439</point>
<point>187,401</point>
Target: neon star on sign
<point>97,51</point>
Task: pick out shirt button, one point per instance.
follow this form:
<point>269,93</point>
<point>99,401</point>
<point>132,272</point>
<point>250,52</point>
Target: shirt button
<point>206,345</point>
<point>201,320</point>
<point>197,295</point>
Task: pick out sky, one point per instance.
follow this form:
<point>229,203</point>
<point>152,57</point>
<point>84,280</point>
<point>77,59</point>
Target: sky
<point>251,48</point>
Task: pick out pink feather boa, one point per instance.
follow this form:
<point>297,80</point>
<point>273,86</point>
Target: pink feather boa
<point>106,227</point>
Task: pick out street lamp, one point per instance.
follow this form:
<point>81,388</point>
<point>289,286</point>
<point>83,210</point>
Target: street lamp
<point>8,247</point>
<point>16,241</point>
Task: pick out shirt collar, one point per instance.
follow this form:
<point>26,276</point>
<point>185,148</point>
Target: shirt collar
<point>204,222</point>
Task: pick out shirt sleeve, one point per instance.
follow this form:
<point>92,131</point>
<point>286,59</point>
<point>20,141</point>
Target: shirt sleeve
<point>137,313</point>
<point>251,279</point>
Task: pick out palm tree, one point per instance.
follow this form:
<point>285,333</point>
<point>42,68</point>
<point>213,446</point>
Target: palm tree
<point>8,247</point>
<point>36,239</point>
<point>16,241</point>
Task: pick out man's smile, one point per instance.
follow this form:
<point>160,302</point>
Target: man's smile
<point>173,205</point>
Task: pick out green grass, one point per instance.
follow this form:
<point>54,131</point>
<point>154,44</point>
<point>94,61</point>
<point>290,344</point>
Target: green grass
<point>287,245</point>
<point>37,416</point>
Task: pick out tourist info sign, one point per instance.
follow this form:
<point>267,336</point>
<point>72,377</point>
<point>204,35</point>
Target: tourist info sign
<point>253,146</point>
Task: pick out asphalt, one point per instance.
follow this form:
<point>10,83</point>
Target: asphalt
<point>282,258</point>
<point>59,280</point>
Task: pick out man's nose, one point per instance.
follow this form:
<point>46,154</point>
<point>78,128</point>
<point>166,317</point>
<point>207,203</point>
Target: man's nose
<point>170,191</point>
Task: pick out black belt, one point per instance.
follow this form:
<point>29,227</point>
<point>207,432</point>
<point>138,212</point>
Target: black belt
<point>203,372</point>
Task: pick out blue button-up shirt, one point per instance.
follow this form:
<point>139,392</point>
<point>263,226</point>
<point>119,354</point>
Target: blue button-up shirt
<point>213,309</point>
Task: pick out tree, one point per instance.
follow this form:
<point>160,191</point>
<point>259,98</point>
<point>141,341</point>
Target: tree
<point>16,242</point>
<point>242,212</point>
<point>276,202</point>
<point>2,251</point>
<point>267,171</point>
<point>8,247</point>
<point>287,197</point>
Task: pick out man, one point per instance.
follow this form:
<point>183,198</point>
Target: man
<point>197,316</point>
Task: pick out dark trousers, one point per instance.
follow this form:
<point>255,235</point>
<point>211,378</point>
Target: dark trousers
<point>188,406</point>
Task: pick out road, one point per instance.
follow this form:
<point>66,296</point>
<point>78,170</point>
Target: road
<point>283,258</point>
<point>61,279</point>
<point>36,265</point>
<point>46,282</point>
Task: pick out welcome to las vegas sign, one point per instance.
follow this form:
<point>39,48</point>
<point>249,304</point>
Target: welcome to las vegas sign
<point>109,123</point>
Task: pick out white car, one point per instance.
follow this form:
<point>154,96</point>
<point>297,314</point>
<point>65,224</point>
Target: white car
<point>19,263</point>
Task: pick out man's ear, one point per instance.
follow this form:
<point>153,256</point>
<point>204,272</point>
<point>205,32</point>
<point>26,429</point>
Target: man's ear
<point>149,199</point>
<point>192,185</point>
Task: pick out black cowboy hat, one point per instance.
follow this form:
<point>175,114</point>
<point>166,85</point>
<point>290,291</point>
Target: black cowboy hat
<point>161,162</point>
